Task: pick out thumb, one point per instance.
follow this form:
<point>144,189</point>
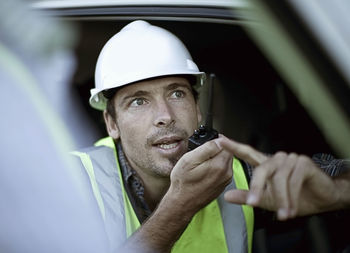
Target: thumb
<point>236,196</point>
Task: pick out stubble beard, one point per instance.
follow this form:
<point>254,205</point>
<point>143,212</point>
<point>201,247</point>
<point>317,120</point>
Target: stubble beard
<point>154,166</point>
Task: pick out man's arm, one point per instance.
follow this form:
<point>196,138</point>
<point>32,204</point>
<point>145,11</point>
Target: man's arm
<point>198,178</point>
<point>290,184</point>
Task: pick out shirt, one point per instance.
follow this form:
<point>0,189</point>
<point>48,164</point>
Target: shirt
<point>133,186</point>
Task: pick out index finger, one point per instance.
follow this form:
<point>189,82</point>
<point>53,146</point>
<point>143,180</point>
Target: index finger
<point>242,151</point>
<point>200,154</point>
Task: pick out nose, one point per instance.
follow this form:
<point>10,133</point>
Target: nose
<point>163,114</point>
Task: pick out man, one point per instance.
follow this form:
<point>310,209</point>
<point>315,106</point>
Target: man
<point>154,195</point>
<point>145,81</point>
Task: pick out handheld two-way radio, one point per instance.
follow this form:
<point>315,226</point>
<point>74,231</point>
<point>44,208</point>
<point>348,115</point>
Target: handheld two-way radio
<point>205,132</point>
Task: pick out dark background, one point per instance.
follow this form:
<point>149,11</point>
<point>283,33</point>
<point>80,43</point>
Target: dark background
<point>252,103</point>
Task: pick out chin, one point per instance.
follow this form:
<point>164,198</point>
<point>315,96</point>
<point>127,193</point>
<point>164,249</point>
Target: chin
<point>164,170</point>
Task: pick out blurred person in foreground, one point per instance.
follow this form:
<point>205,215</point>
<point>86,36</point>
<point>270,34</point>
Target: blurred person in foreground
<point>154,195</point>
<point>45,204</point>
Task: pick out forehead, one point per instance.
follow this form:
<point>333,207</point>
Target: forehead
<point>154,85</point>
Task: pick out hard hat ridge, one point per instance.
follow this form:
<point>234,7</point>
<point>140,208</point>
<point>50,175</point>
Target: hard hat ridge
<point>140,51</point>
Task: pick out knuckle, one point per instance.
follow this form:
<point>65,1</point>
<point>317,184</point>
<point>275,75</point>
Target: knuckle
<point>279,160</point>
<point>280,155</point>
<point>212,146</point>
<point>303,160</point>
<point>292,155</point>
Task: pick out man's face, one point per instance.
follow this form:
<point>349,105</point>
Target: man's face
<point>154,119</point>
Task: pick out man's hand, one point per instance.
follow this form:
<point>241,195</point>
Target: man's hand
<point>290,184</point>
<point>200,176</point>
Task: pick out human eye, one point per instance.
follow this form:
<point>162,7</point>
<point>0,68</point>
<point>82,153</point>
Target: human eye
<point>177,94</point>
<point>138,102</point>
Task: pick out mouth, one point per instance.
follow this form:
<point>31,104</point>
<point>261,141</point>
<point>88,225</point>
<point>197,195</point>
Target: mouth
<point>168,143</point>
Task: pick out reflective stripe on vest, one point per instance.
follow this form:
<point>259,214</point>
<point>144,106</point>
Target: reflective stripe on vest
<point>219,227</point>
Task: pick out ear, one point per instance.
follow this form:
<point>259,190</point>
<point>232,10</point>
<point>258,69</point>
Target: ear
<point>199,114</point>
<point>111,125</point>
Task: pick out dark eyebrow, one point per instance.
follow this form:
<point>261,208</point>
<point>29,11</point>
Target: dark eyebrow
<point>174,86</point>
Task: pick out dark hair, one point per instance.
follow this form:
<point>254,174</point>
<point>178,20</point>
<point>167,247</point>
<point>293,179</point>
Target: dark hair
<point>110,93</point>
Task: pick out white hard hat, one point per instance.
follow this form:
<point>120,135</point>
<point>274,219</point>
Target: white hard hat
<point>140,51</point>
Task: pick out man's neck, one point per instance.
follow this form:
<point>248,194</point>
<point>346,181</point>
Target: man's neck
<point>153,188</point>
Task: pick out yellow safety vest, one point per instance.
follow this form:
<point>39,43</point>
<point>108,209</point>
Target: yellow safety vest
<point>218,227</point>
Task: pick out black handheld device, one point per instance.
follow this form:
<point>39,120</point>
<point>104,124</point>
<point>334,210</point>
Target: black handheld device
<point>205,132</point>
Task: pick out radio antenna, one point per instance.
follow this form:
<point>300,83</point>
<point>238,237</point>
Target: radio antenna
<point>205,133</point>
<point>209,117</point>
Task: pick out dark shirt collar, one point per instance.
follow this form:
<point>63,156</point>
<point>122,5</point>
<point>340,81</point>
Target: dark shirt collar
<point>133,186</point>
